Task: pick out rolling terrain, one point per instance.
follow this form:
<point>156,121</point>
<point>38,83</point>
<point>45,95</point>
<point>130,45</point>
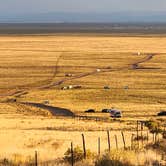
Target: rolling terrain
<point>34,71</point>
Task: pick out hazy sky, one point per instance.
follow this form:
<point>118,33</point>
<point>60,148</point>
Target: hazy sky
<point>99,6</point>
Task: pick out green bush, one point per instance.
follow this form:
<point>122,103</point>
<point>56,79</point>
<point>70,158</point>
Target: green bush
<point>78,154</point>
<point>154,126</point>
<point>15,162</point>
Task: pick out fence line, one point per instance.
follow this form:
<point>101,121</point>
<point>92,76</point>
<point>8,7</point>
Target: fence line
<point>140,135</point>
<point>130,146</point>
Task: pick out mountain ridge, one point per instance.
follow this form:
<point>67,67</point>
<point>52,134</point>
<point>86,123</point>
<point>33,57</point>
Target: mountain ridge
<point>59,17</point>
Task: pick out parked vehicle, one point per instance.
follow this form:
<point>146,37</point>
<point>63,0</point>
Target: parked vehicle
<point>68,75</point>
<point>98,70</point>
<point>71,87</point>
<point>106,87</point>
<point>162,113</point>
<point>115,113</point>
<point>104,111</point>
<point>46,102</point>
<point>90,111</point>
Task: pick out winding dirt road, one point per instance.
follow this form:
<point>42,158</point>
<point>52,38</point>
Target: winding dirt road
<point>107,69</point>
<point>60,111</point>
<point>51,82</point>
<point>145,59</point>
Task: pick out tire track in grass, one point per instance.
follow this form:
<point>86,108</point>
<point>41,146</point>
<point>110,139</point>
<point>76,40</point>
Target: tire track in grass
<point>133,66</point>
<point>51,83</point>
<point>57,83</point>
<point>22,91</point>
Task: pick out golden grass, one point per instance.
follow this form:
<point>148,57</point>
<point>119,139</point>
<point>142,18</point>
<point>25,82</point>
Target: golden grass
<point>29,62</point>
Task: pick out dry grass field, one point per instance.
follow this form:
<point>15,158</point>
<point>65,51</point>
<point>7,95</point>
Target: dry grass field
<point>33,69</point>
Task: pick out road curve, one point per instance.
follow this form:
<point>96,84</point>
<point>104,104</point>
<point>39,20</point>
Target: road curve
<point>51,83</point>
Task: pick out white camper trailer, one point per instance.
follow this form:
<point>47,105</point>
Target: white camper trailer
<point>115,113</point>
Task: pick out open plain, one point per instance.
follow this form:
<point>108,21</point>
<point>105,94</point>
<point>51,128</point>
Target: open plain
<point>127,73</point>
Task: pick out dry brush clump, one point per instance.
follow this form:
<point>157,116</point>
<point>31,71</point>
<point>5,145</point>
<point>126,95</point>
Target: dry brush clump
<point>126,158</point>
<point>154,126</point>
<point>17,160</point>
<point>160,146</point>
<point>115,158</point>
<point>119,157</point>
<point>78,155</point>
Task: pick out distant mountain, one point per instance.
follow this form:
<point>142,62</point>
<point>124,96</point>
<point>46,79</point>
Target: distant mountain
<point>85,17</point>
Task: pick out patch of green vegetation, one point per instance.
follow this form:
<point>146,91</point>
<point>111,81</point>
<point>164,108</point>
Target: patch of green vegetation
<point>154,126</point>
<point>78,155</point>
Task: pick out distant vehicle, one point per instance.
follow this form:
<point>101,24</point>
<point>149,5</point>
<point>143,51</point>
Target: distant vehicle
<point>68,75</point>
<point>46,102</point>
<point>162,113</point>
<point>126,87</point>
<point>90,111</point>
<point>115,113</point>
<point>138,53</point>
<point>104,111</point>
<point>77,87</point>
<point>71,87</point>
<point>64,88</point>
<point>98,70</point>
<point>106,87</point>
<point>12,100</point>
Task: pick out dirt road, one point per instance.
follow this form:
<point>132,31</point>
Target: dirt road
<point>51,82</point>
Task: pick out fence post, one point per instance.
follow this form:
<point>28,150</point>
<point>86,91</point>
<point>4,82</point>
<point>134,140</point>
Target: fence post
<point>84,147</point>
<point>36,159</point>
<point>124,142</point>
<point>132,139</point>
<point>116,140</point>
<point>147,136</point>
<point>137,129</point>
<point>108,137</point>
<point>72,155</point>
<point>142,128</point>
<point>153,137</point>
<point>99,146</point>
<point>142,139</point>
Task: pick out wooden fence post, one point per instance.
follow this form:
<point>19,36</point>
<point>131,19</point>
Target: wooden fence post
<point>137,129</point>
<point>72,155</point>
<point>142,139</point>
<point>124,142</point>
<point>132,140</point>
<point>116,140</point>
<point>153,137</point>
<point>142,129</point>
<point>108,137</point>
<point>99,146</point>
<point>36,159</point>
<point>84,147</point>
<point>147,136</point>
